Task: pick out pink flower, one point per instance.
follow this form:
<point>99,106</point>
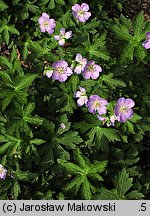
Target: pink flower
<point>146,44</point>
<point>81,95</point>
<point>103,119</point>
<point>63,36</point>
<point>81,63</point>
<point>91,70</point>
<point>95,103</point>
<point>62,126</point>
<point>3,172</point>
<point>49,73</point>
<point>46,24</point>
<point>61,71</point>
<point>123,109</point>
<point>81,12</point>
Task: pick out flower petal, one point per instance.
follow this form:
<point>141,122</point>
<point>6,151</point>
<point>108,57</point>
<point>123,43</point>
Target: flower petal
<point>87,15</point>
<point>77,94</point>
<point>57,37</point>
<point>62,31</point>
<point>76,7</point>
<point>40,20</point>
<point>45,15</point>
<point>148,35</point>
<point>122,118</point>
<point>129,114</point>
<point>42,28</point>
<point>85,7</point>
<point>94,75</point>
<point>52,23</point>
<point>77,69</point>
<point>129,102</point>
<point>49,30</point>
<point>78,57</point>
<point>68,34</point>
<point>80,101</point>
<point>68,71</point>
<point>61,42</point>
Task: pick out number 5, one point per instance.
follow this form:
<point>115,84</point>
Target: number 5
<point>143,207</point>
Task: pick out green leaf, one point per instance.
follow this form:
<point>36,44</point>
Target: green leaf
<point>76,182</point>
<point>135,118</point>
<point>74,80</point>
<point>6,101</point>
<point>28,109</point>
<point>6,35</point>
<point>97,49</point>
<point>4,61</point>
<point>122,32</point>
<point>3,5</point>
<point>107,195</point>
<point>37,141</point>
<point>37,48</point>
<point>98,167</point>
<point>33,8</point>
<point>6,79</point>
<point>138,24</point>
<point>25,82</point>
<point>52,4</point>
<point>25,50</point>
<point>70,167</point>
<point>70,139</point>
<point>112,82</point>
<point>35,120</point>
<point>86,190</point>
<point>130,126</point>
<point>111,134</point>
<point>140,52</point>
<point>126,55</point>
<point>126,22</point>
<point>123,183</point>
<point>79,158</point>
<point>135,195</point>
<point>25,175</point>
<point>16,190</point>
<point>13,30</point>
<point>96,134</point>
<point>4,147</point>
<point>66,20</point>
<point>95,176</point>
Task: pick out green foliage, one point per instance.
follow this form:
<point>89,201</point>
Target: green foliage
<point>83,170</point>
<point>122,29</point>
<point>122,183</point>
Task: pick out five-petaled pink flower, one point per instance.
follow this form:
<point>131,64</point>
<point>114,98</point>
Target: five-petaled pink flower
<point>3,172</point>
<point>61,71</point>
<point>46,24</point>
<point>81,12</point>
<point>91,70</point>
<point>95,103</point>
<point>146,44</point>
<point>81,95</point>
<point>63,36</point>
<point>123,109</point>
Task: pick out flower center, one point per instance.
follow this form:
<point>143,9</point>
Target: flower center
<point>91,69</point>
<point>81,13</point>
<point>1,170</point>
<point>96,104</point>
<point>124,109</point>
<point>82,94</point>
<point>45,24</point>
<point>60,70</point>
